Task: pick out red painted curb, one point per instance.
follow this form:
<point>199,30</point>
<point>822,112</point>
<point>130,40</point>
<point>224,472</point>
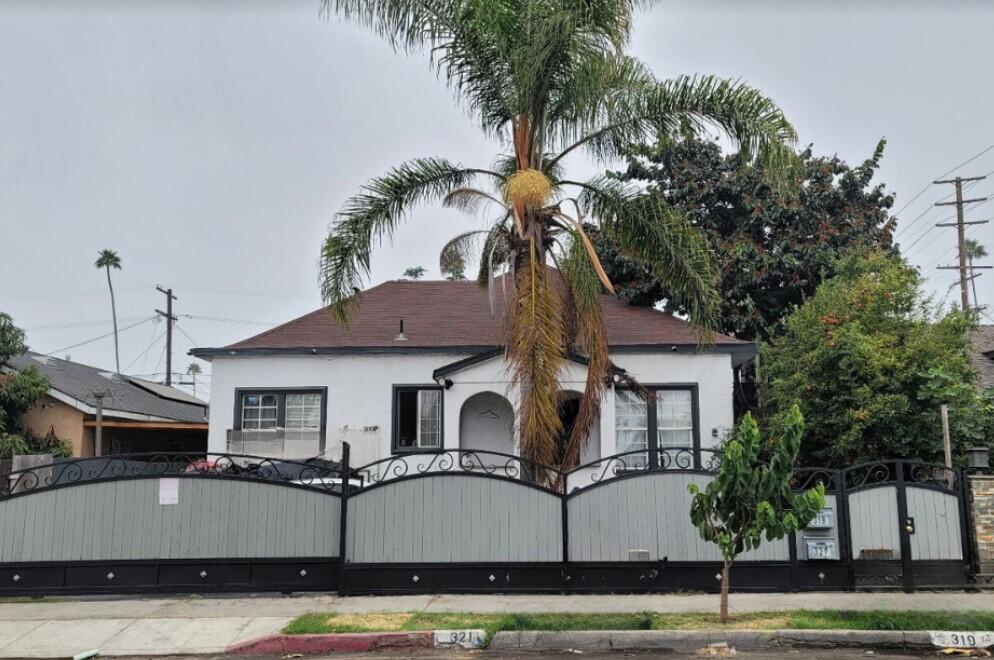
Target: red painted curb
<point>339,642</point>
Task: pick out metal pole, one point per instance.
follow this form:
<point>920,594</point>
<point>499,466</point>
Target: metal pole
<point>946,443</point>
<point>98,437</point>
<point>343,517</point>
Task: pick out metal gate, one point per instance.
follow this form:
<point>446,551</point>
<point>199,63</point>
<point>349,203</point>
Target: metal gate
<point>908,525</point>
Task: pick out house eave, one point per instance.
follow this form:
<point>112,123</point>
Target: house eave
<point>739,349</point>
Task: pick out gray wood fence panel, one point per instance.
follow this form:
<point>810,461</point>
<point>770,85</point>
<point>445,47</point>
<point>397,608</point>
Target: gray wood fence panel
<point>873,521</point>
<point>647,512</point>
<point>214,518</point>
<point>937,524</point>
<point>454,518</point>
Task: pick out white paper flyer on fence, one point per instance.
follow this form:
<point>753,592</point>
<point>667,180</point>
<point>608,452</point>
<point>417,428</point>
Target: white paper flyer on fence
<point>168,491</point>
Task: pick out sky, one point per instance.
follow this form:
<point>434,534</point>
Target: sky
<point>211,143</point>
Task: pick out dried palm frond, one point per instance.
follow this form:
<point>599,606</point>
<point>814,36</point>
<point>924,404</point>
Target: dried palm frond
<point>584,285</point>
<point>536,356</point>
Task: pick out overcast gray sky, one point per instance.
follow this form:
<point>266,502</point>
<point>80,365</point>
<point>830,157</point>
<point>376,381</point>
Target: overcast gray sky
<point>210,143</point>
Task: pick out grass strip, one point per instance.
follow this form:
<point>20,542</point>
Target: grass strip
<point>494,623</point>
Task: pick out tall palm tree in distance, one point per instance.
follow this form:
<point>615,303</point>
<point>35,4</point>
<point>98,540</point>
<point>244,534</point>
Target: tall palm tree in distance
<point>549,78</point>
<point>974,250</point>
<point>108,259</point>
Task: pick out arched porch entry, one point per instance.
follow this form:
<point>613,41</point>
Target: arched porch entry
<point>486,422</point>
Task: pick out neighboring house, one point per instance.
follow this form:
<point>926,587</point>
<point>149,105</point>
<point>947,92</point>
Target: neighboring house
<point>138,415</point>
<point>419,368</point>
<point>982,354</point>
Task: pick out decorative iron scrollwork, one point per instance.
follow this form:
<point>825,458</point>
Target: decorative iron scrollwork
<point>316,474</point>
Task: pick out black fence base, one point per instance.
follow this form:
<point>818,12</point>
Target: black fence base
<point>589,577</point>
<point>169,576</point>
<point>928,574</point>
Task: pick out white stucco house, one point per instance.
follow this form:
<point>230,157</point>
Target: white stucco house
<point>419,368</point>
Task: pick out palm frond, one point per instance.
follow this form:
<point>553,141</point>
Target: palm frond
<point>459,250</point>
<point>650,231</point>
<point>536,356</point>
<point>748,117</point>
<point>469,200</point>
<point>373,215</point>
<point>496,250</point>
<point>583,283</point>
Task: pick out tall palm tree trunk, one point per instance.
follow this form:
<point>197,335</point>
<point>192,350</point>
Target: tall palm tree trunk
<point>113,313</point>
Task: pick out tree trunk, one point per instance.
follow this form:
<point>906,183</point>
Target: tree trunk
<point>725,575</point>
<point>113,313</point>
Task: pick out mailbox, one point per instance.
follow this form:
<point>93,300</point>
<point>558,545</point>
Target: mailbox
<point>824,520</point>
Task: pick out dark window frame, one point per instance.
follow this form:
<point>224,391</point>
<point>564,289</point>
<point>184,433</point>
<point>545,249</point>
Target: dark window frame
<point>653,424</point>
<point>395,447</point>
<point>281,393</point>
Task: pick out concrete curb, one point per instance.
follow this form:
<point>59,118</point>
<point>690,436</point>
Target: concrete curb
<point>331,643</point>
<point>690,640</point>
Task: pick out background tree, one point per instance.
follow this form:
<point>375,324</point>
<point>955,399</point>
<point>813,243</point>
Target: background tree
<point>18,392</point>
<point>193,371</point>
<point>749,499</point>
<point>108,259</point>
<point>549,78</point>
<point>771,251</point>
<point>414,273</point>
<point>974,250</point>
<point>870,361</point>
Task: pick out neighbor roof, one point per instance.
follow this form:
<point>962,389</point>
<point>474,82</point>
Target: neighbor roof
<point>440,315</point>
<point>982,353</point>
<point>125,394</point>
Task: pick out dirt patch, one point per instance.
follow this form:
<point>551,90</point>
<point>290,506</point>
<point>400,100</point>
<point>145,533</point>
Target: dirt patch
<point>376,621</point>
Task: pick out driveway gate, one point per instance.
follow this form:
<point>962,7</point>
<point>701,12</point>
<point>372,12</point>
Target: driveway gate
<point>908,525</point>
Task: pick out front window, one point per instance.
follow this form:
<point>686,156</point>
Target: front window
<point>279,423</point>
<point>631,421</point>
<point>418,418</point>
<point>650,429</point>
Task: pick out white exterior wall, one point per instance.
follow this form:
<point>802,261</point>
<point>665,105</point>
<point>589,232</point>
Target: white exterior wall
<point>360,389</point>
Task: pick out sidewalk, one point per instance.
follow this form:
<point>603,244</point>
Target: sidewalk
<point>204,625</point>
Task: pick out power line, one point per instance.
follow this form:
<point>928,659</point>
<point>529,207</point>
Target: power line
<point>929,184</point>
<point>103,336</point>
<point>185,334</point>
<point>147,349</point>
<point>928,226</point>
<point>80,324</point>
<point>225,320</point>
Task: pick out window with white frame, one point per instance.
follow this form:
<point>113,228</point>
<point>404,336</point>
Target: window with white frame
<point>260,412</point>
<point>669,422</point>
<point>279,423</point>
<point>675,418</point>
<point>631,423</point>
<point>417,418</point>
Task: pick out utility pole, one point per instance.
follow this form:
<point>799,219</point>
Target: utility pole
<point>168,314</point>
<point>960,225</point>
<point>98,434</point>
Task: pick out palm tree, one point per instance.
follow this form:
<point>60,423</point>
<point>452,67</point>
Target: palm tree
<point>108,259</point>
<point>192,371</point>
<point>549,78</point>
<point>974,250</point>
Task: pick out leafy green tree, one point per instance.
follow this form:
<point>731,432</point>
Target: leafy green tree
<point>108,259</point>
<point>18,390</point>
<point>549,78</point>
<point>870,361</point>
<point>414,273</point>
<point>750,499</point>
<point>771,250</point>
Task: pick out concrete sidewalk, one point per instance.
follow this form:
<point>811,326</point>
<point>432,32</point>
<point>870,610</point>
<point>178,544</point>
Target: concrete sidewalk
<point>51,628</point>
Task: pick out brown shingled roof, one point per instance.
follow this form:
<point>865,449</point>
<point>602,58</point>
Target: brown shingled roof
<point>444,314</point>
